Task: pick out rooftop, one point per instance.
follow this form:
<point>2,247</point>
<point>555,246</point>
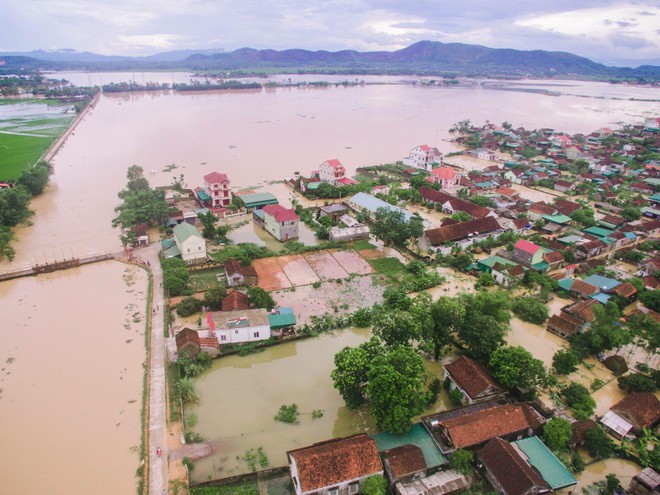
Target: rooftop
<point>372,204</point>
<point>184,230</point>
<point>255,200</point>
<point>552,470</point>
<point>225,320</point>
<point>417,436</point>
<point>472,377</point>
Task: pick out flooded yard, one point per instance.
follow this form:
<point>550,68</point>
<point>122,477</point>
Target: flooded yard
<point>71,380</point>
<point>241,395</point>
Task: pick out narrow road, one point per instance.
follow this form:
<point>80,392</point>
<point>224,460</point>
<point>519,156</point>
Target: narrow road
<point>157,418</point>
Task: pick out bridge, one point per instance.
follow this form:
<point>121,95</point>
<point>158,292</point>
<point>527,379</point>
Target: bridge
<point>54,266</point>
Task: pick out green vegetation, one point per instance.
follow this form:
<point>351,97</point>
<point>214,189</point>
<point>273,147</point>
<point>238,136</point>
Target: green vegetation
<point>530,309</point>
<point>188,306</point>
<point>259,298</point>
<point>578,398</point>
<point>598,443</point>
<point>213,297</point>
<point>247,487</point>
<point>565,361</point>
<point>391,227</point>
<point>374,485</point>
<point>18,153</point>
<point>557,434</point>
<point>253,457</point>
<point>175,276</point>
<point>517,367</point>
<point>462,460</point>
<point>390,267</point>
<point>287,413</point>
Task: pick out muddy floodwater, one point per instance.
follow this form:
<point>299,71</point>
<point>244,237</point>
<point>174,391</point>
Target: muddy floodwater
<point>71,353</point>
<point>240,396</point>
<point>71,383</point>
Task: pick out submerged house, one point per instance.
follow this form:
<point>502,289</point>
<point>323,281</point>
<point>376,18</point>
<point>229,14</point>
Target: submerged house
<point>235,327</point>
<point>632,414</point>
<point>334,467</point>
<point>472,379</point>
<point>423,156</point>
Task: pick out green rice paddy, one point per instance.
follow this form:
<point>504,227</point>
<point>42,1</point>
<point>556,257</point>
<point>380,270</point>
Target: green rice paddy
<point>27,129</point>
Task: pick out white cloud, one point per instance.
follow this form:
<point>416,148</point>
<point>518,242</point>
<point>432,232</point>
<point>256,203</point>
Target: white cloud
<point>152,41</point>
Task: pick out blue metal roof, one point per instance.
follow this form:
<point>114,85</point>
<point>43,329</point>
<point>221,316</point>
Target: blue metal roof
<point>372,204</point>
<point>603,283</point>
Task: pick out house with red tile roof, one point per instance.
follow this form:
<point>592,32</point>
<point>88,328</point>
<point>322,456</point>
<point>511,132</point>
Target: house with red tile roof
<point>192,342</point>
<point>472,379</point>
<point>334,173</point>
<point>527,253</point>
<point>632,414</point>
<point>334,467</point>
<point>467,232</point>
<point>446,176</point>
<point>423,156</point>
<point>508,471</point>
<point>404,463</point>
<point>452,204</point>
<point>281,222</point>
<point>238,274</point>
<point>217,187</point>
<point>234,301</point>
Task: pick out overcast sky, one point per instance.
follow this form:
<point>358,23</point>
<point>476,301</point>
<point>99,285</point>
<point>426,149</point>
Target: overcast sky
<point>609,31</point>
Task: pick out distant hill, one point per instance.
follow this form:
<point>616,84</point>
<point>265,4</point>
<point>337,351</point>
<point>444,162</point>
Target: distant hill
<point>424,57</point>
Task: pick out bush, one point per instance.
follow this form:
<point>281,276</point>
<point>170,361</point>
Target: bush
<point>565,361</point>
<point>456,397</point>
<point>288,414</point>
<point>598,443</point>
<point>434,391</point>
<point>637,382</point>
<point>214,296</point>
<point>374,485</point>
<point>578,398</point>
<point>461,461</point>
<point>188,306</point>
<point>189,464</point>
<point>530,309</point>
<point>557,433</point>
<point>362,318</point>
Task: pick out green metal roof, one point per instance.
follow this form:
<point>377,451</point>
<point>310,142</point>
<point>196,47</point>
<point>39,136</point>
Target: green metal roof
<point>570,239</point>
<point>256,200</point>
<point>184,230</point>
<point>417,436</point>
<point>560,219</point>
<point>540,266</point>
<point>551,468</point>
<point>285,318</point>
<point>490,262</point>
<point>566,283</point>
<point>598,231</point>
<point>201,194</point>
<point>172,251</point>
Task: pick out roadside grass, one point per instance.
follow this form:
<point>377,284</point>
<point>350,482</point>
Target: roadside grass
<point>17,153</point>
<point>143,469</point>
<point>173,393</point>
<point>390,267</point>
<point>248,487</point>
<point>359,245</point>
<point>228,251</point>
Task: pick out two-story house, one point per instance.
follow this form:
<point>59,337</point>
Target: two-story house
<point>190,242</point>
<point>423,156</point>
<point>216,185</point>
<point>527,253</point>
<point>447,177</point>
<point>239,326</point>
<point>280,222</point>
<point>333,172</point>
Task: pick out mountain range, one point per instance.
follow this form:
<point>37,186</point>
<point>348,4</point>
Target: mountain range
<point>424,57</point>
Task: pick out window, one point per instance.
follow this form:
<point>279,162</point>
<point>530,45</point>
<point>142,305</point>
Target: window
<point>223,337</point>
<point>353,488</point>
<point>256,334</point>
<point>333,491</point>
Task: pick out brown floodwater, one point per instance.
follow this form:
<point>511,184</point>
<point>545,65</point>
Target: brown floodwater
<point>239,397</point>
<point>71,351</point>
<point>81,433</point>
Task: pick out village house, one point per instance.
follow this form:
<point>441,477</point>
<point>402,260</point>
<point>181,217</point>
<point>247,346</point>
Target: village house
<point>472,426</point>
<point>238,274</point>
<point>334,211</point>
<point>467,232</point>
<point>527,253</point>
<point>647,482</point>
<point>237,327</point>
<point>334,467</point>
<point>472,379</point>
<point>579,431</point>
<point>280,222</point>
<point>369,204</point>
<point>189,243</point>
<point>216,191</point>
<point>637,411</point>
<point>564,186</point>
<point>508,471</point>
<point>192,342</point>
<point>537,210</point>
<point>424,157</point>
<point>451,204</point>
<point>334,173</point>
<point>446,176</point>
<point>561,140</point>
<point>582,290</point>
<point>404,463</point>
<point>564,325</point>
<point>235,300</point>
<point>506,274</point>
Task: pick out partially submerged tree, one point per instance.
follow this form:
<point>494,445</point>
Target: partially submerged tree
<point>516,367</point>
<point>391,226</point>
<point>485,323</point>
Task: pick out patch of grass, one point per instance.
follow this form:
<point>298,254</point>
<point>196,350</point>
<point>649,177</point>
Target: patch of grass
<point>359,245</point>
<point>203,280</point>
<point>17,153</point>
<point>390,267</point>
<point>248,487</point>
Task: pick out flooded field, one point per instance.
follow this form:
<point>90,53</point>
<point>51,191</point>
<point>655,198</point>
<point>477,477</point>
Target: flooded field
<point>71,380</point>
<point>241,395</point>
<point>250,232</point>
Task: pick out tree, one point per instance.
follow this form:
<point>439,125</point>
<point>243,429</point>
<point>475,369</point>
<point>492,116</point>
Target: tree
<point>140,203</point>
<point>447,314</point>
<point>485,280</point>
<point>565,361</point>
<point>651,299</point>
<point>208,221</point>
<point>396,327</point>
<point>14,206</point>
<point>395,388</point>
<point>584,216</point>
<point>189,306</point>
<point>578,398</point>
<point>630,213</point>
<point>515,366</point>
<point>35,179</point>
<point>175,276</point>
<point>214,296</point>
<point>391,227</point>
<point>485,323</point>
<point>530,309</point>
<point>637,382</point>
<point>350,374</point>
<point>482,201</point>
<point>461,460</point>
<point>374,485</point>
<point>605,333</point>
<point>460,261</point>
<point>461,216</point>
<point>259,298</point>
<point>557,433</point>
<point>598,443</point>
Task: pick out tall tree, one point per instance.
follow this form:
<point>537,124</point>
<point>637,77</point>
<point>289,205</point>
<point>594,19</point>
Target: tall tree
<point>485,324</point>
<point>391,227</point>
<point>448,315</point>
<point>396,327</point>
<point>351,367</point>
<point>516,366</point>
<point>396,388</point>
<point>557,433</point>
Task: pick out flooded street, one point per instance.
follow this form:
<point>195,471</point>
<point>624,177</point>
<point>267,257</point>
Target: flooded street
<point>241,395</point>
<point>71,380</point>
